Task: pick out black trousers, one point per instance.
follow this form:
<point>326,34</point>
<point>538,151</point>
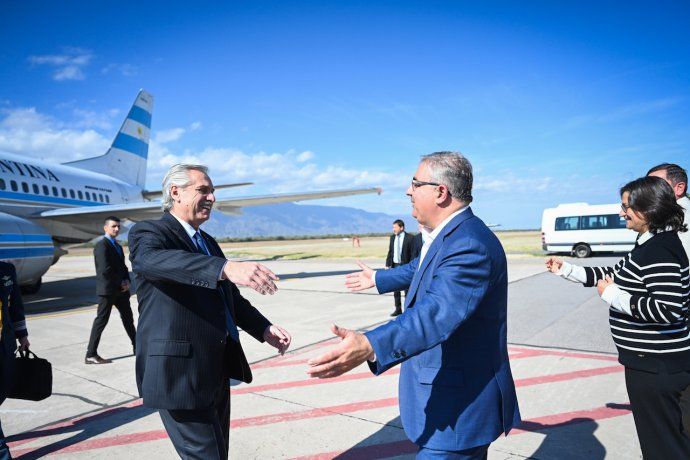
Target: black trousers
<point>202,434</point>
<point>396,294</point>
<point>655,401</point>
<point>105,304</point>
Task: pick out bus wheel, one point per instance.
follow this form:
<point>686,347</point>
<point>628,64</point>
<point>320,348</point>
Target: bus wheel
<point>582,250</point>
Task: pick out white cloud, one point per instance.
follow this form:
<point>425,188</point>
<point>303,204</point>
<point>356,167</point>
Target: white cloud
<point>305,156</point>
<point>169,135</point>
<point>67,66</point>
<point>126,70</point>
<point>513,184</point>
<point>195,126</point>
<point>24,131</point>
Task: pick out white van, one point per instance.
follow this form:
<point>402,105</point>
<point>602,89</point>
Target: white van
<point>580,229</point>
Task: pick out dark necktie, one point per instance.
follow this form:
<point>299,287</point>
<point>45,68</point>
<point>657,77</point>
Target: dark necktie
<point>117,247</point>
<point>229,322</point>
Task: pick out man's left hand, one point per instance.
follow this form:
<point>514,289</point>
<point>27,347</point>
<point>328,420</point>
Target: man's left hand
<point>352,351</point>
<point>24,343</point>
<point>277,337</point>
<point>124,286</point>
<point>603,284</point>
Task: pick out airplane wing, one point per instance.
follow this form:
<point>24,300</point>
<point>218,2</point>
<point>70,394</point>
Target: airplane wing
<point>155,195</point>
<point>90,218</point>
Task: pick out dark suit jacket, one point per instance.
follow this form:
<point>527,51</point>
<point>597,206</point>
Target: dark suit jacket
<point>181,335</point>
<point>456,387</point>
<point>405,252</point>
<point>110,268</point>
<point>13,325</point>
<point>417,243</point>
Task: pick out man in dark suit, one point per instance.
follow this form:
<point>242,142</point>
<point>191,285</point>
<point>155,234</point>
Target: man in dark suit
<point>399,252</point>
<point>112,287</point>
<point>456,389</point>
<point>188,343</point>
<point>12,330</point>
<point>417,243</point>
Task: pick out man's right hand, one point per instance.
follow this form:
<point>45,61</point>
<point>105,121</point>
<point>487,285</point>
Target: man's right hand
<point>360,281</point>
<point>251,274</point>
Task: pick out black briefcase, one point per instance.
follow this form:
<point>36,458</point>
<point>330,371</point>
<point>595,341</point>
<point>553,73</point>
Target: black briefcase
<point>33,377</point>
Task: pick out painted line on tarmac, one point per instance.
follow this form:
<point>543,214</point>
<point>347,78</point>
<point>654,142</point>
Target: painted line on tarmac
<point>404,447</point>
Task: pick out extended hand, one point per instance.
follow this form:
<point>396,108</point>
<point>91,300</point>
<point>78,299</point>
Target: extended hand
<point>277,337</point>
<point>352,351</point>
<point>251,274</point>
<point>553,264</point>
<point>360,281</point>
<point>603,284</point>
<point>24,343</point>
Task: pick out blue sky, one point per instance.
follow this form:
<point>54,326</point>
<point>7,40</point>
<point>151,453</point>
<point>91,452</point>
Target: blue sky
<point>552,102</point>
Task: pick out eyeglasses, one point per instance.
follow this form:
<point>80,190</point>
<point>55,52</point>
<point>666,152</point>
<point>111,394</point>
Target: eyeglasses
<point>419,183</point>
<point>625,207</point>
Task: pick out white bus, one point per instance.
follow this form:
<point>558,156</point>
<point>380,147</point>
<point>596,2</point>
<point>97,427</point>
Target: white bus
<point>580,229</point>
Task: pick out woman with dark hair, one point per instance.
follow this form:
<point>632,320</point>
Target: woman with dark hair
<point>648,293</point>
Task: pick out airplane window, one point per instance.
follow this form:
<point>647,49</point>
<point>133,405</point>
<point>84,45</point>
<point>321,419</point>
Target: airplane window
<point>2,184</point>
<point>36,189</point>
<point>55,192</point>
<point>64,192</point>
<point>13,184</point>
<point>107,199</point>
<point>81,195</point>
<point>45,190</point>
<point>88,196</point>
<point>100,197</point>
<point>71,193</point>
<point>25,187</point>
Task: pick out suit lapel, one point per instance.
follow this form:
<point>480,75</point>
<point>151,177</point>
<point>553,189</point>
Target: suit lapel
<point>433,249</point>
<point>179,231</point>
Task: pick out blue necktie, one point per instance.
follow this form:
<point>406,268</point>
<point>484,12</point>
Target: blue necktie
<point>117,247</point>
<point>229,322</point>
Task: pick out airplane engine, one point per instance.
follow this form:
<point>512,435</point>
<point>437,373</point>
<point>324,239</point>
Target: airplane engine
<point>29,247</point>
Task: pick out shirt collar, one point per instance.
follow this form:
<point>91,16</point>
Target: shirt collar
<point>431,236</point>
<point>109,238</point>
<point>646,236</point>
<point>187,227</point>
<point>684,201</point>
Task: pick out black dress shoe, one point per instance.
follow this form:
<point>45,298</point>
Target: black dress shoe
<point>397,312</point>
<point>96,360</point>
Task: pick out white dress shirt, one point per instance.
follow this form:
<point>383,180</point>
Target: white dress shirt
<point>685,236</point>
<point>397,247</point>
<point>191,231</point>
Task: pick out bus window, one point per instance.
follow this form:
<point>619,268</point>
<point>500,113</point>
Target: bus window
<point>567,223</point>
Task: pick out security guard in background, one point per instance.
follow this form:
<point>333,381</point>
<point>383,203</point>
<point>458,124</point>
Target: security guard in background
<point>12,329</point>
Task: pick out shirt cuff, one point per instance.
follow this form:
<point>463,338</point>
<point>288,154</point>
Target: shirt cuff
<point>373,278</point>
<point>222,271</point>
<point>617,299</point>
<point>572,272</point>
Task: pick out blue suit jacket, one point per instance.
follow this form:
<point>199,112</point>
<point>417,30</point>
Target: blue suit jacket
<point>456,387</point>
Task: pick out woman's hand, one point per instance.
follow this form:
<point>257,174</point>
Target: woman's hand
<point>603,284</point>
<point>554,264</point>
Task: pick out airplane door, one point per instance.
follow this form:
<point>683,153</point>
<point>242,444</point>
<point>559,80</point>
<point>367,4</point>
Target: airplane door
<point>124,196</point>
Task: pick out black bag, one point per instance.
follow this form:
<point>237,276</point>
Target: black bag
<point>33,377</point>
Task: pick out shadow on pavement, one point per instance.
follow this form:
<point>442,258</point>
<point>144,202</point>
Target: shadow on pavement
<point>314,274</point>
<point>84,429</point>
<point>62,295</point>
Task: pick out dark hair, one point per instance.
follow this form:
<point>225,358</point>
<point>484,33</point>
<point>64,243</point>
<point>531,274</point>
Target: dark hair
<point>674,173</point>
<point>653,197</point>
<point>111,218</point>
<point>400,223</point>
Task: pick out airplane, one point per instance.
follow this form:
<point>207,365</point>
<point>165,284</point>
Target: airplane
<point>44,206</point>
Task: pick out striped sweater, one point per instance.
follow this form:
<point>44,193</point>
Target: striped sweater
<point>649,303</point>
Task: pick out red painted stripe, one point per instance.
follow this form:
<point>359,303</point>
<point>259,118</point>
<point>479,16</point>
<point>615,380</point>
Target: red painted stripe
<point>567,376</point>
<point>403,447</point>
<point>309,382</point>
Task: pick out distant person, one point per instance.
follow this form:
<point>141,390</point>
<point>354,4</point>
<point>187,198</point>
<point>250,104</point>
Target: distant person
<point>355,241</point>
<point>647,294</point>
<point>456,390</point>
<point>399,252</point>
<point>112,288</point>
<point>188,344</point>
<point>677,178</point>
<point>12,330</point>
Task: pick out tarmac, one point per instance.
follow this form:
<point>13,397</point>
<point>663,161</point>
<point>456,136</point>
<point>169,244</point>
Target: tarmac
<point>570,386</point>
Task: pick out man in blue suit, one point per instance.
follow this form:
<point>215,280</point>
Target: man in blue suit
<point>456,389</point>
